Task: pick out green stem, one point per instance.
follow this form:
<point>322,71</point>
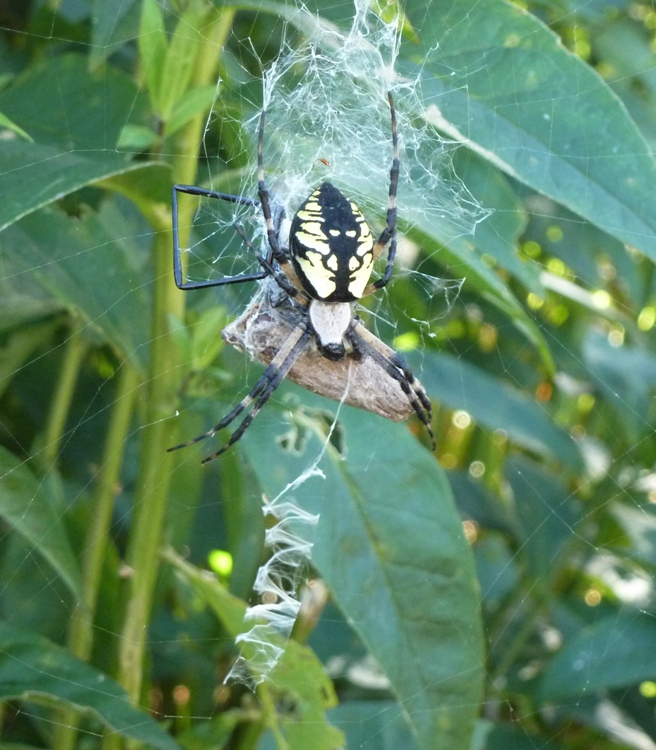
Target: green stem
<point>155,474</point>
<point>541,600</point>
<point>80,635</point>
<point>164,378</point>
<point>271,716</point>
<point>519,641</point>
<point>63,396</point>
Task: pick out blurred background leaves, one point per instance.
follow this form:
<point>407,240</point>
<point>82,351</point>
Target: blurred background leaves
<point>498,594</point>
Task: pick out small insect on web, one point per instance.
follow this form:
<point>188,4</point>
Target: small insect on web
<point>323,267</point>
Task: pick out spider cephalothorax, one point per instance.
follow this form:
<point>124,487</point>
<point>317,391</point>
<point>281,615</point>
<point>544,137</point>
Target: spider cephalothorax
<point>324,267</point>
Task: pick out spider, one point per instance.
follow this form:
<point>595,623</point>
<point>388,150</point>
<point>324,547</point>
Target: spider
<point>323,268</point>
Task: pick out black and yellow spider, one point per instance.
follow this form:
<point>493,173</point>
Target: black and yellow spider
<point>324,266</point>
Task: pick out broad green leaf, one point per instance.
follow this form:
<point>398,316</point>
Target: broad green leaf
<point>298,672</point>
<point>495,78</point>
<point>616,651</point>
<point>547,517</point>
<point>498,406</point>
<point>34,175</point>
<point>390,546</point>
<point>76,143</point>
<point>497,236</point>
<point>27,504</point>
<point>153,49</point>
<point>5,122</point>
<point>626,376</point>
<point>363,720</point>
<point>112,26</point>
<point>34,668</point>
<point>91,263</point>
<point>76,102</point>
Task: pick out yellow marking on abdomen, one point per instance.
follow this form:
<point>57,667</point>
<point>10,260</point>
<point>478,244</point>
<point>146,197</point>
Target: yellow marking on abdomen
<point>317,274</point>
<point>314,243</point>
<point>313,227</point>
<point>365,245</point>
<point>360,278</point>
<point>310,216</point>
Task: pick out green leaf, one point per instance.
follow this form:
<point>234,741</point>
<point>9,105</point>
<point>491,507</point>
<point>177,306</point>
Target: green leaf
<point>498,406</point>
<point>390,546</point>
<point>76,103</point>
<point>498,234</point>
<point>153,50</point>
<point>363,719</point>
<point>34,176</point>
<point>614,652</point>
<point>112,26</point>
<point>29,506</point>
<point>145,187</point>
<point>5,122</point>
<point>136,138</point>
<point>298,673</point>
<point>546,515</point>
<point>193,102</point>
<point>33,668</point>
<point>626,376</point>
<point>495,78</point>
<point>90,263</point>
<point>180,58</point>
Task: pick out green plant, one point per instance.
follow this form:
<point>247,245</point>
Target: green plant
<point>540,495</point>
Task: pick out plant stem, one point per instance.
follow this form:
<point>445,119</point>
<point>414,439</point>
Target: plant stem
<point>271,716</point>
<point>63,396</point>
<point>164,378</point>
<point>80,635</point>
<point>155,473</point>
<point>541,599</point>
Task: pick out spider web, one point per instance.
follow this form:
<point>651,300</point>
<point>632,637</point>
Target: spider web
<point>325,97</point>
<point>333,81</point>
<point>327,119</point>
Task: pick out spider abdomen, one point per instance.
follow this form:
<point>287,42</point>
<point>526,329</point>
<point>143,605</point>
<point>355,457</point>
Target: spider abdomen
<point>331,246</point>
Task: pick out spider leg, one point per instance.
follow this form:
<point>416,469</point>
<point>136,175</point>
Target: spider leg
<point>278,276</point>
<point>272,377</point>
<point>389,360</point>
<point>177,253</point>
<point>389,233</point>
<point>276,251</point>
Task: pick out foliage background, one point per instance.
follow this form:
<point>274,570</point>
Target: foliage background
<point>539,500</point>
